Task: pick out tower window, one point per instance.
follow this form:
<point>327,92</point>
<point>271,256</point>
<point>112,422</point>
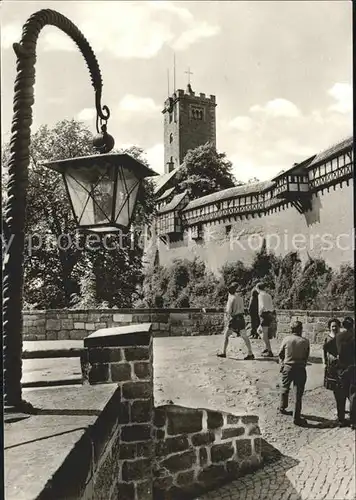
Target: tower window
<point>170,138</point>
<point>197,113</point>
<point>170,117</point>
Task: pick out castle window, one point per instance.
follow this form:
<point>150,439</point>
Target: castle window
<point>170,138</point>
<point>197,113</point>
<point>170,117</point>
<point>228,229</point>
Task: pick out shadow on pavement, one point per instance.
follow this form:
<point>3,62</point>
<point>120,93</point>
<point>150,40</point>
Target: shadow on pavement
<point>321,422</point>
<point>264,483</point>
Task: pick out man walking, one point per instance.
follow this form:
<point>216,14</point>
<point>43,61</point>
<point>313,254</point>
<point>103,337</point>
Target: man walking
<point>294,354</point>
<point>266,312</point>
<point>235,321</point>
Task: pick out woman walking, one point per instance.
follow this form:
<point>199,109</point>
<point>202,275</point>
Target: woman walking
<point>332,380</point>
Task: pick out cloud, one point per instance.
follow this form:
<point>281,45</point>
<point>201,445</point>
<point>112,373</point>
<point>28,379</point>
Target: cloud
<point>133,104</point>
<point>342,93</point>
<point>181,12</point>
<point>10,34</point>
<point>155,157</point>
<point>192,35</point>
<point>125,30</point>
<point>86,114</point>
<point>241,123</point>
<point>277,108</point>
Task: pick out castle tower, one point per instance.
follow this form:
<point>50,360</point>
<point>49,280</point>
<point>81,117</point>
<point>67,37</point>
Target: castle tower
<point>189,122</point>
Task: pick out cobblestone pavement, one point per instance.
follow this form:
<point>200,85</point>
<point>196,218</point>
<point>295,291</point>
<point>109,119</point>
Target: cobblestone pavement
<point>310,463</point>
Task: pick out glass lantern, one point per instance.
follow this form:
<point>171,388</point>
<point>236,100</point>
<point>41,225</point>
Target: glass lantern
<point>102,189</point>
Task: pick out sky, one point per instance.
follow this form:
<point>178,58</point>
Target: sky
<point>281,73</point>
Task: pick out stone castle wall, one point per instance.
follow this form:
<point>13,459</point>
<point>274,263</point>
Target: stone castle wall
<point>77,324</point>
<point>325,231</point>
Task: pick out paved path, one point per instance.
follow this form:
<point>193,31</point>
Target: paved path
<point>313,463</point>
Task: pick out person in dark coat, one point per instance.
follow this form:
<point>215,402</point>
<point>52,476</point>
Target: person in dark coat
<point>332,380</point>
<point>254,314</point>
<point>345,346</point>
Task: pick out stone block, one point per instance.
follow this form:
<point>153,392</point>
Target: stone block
<point>136,470</point>
<point>160,434</point>
<point>105,354</point>
<point>160,317</point>
<point>180,461</point>
<point>171,445</point>
<point>232,432</point>
<point>78,334</point>
<point>127,450</point>
<point>51,335</point>
<point>141,411</point>
<point>159,418</point>
<point>215,420</point>
<point>126,491</point>
<point>90,326</point>
<point>203,438</point>
<point>164,326</point>
<point>211,474</point>
<point>144,490</point>
<point>67,324</point>
<point>79,325</point>
<point>120,372</point>
<point>176,331</point>
<point>184,420</point>
<point>53,324</point>
<point>203,456</point>
<point>257,445</point>
<point>143,370</point>
<point>145,449</point>
<point>141,318</point>
<point>136,353</point>
<point>221,452</point>
<point>162,483</point>
<point>185,478</point>
<point>244,449</point>
<point>122,318</point>
<point>249,419</point>
<point>124,412</point>
<point>137,390</point>
<point>155,326</point>
<point>63,335</point>
<point>233,468</point>
<point>99,373</point>
<point>135,432</point>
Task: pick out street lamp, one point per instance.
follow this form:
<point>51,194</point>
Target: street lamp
<point>102,188</point>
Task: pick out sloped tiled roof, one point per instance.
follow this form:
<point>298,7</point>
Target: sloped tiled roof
<point>333,150</point>
<point>160,181</point>
<point>255,187</point>
<point>166,193</point>
<point>172,205</point>
<point>295,168</point>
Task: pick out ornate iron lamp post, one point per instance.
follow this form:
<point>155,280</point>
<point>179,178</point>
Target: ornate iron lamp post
<point>102,189</point>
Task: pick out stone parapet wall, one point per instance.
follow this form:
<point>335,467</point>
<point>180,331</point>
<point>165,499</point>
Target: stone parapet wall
<point>91,469</point>
<point>77,324</point>
<point>167,452</point>
<point>125,356</point>
<point>198,449</point>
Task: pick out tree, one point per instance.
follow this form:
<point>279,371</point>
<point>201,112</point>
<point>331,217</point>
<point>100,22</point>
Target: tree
<point>56,256</point>
<point>205,171</point>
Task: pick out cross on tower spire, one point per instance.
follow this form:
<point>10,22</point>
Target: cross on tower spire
<point>188,73</point>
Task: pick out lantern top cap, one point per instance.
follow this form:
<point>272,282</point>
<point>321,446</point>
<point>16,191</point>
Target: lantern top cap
<point>110,158</point>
